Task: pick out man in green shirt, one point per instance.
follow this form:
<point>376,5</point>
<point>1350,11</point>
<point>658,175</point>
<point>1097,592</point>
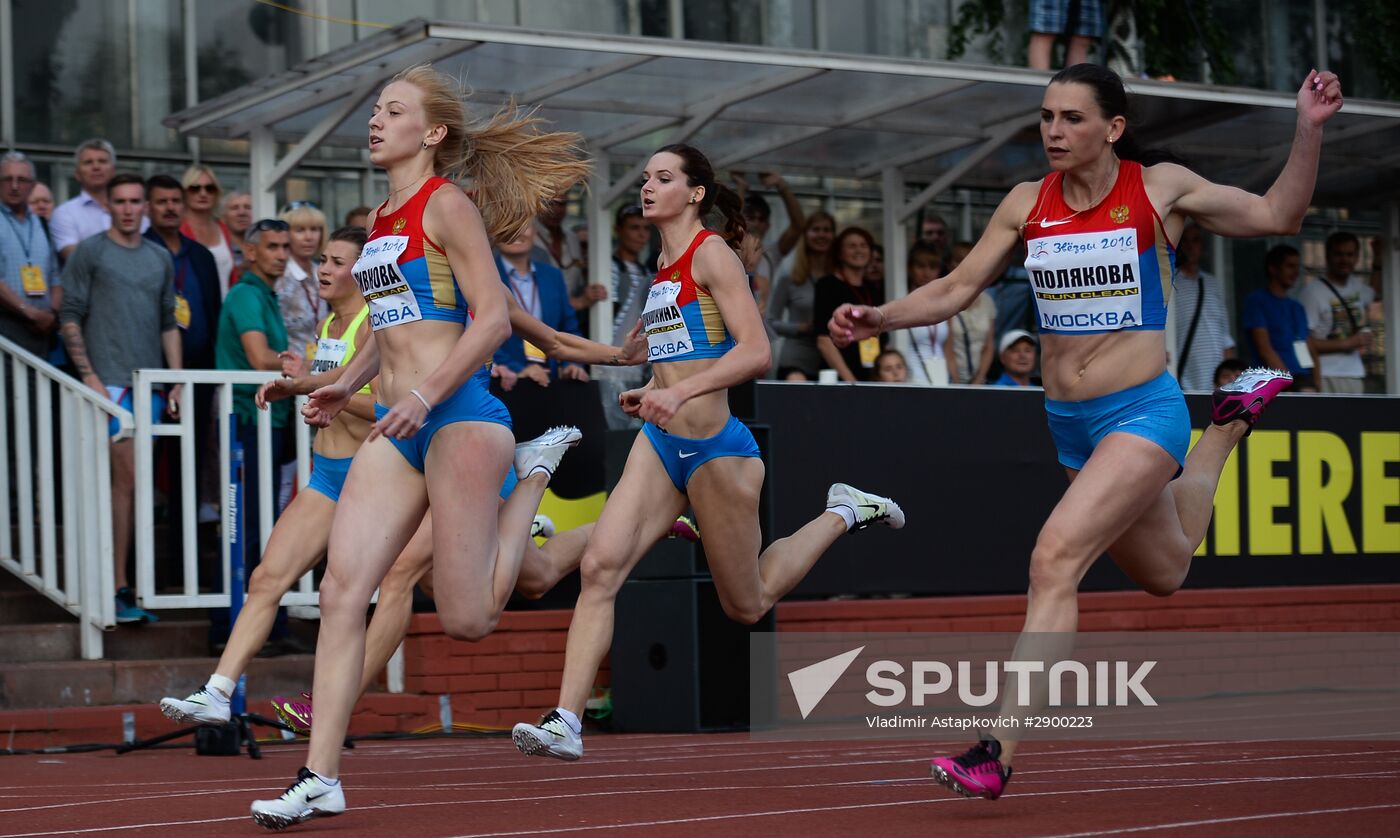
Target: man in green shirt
<point>251,336</point>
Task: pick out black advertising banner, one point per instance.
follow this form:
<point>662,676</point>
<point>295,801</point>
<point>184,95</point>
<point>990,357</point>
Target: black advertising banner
<point>1311,497</point>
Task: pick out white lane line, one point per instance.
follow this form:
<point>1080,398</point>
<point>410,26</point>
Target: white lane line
<point>821,809</point>
<point>702,819</point>
<point>1218,821</point>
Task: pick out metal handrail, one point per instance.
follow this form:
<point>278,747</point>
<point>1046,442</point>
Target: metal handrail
<point>78,576</point>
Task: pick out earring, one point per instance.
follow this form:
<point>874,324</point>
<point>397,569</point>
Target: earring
<point>1110,139</point>
<point>425,143</point>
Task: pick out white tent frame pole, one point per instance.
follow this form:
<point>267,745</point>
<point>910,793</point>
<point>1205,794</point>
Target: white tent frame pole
<point>640,127</point>
<point>896,246</point>
<point>600,248</point>
<point>313,138</point>
<point>700,115</point>
<point>262,159</point>
<point>933,148</point>
<point>865,114</point>
<point>1000,137</point>
<point>1390,285</point>
<point>544,91</point>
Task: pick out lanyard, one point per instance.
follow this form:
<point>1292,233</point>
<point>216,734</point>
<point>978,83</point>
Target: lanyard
<point>310,299</point>
<point>26,241</point>
<point>183,267</point>
<point>519,298</point>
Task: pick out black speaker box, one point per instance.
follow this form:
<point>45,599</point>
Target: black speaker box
<point>679,664</point>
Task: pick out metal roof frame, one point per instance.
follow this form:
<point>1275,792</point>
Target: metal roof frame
<point>933,124</point>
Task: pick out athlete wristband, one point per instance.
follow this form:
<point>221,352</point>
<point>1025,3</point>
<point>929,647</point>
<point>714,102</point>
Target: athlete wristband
<point>420,398</point>
<point>883,319</point>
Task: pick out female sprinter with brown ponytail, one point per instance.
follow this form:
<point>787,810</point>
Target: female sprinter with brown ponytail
<point>438,312</point>
<point>704,335</point>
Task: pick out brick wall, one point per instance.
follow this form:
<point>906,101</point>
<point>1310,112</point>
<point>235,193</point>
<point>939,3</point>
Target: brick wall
<point>513,675</point>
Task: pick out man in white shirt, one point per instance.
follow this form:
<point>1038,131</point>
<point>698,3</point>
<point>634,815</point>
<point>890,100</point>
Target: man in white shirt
<point>86,215</point>
<point>1336,306</point>
<point>1194,290</point>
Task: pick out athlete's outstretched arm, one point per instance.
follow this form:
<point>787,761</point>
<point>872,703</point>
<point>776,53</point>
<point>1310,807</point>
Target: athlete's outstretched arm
<point>563,346</point>
<point>1235,212</point>
<point>940,300</point>
<point>717,267</point>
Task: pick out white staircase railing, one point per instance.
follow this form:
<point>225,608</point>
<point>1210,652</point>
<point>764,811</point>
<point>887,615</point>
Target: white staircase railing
<point>77,468</point>
<point>186,504</point>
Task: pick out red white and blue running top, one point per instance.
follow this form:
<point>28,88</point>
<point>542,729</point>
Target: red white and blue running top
<point>681,319</point>
<point>403,274</point>
<point>1102,269</point>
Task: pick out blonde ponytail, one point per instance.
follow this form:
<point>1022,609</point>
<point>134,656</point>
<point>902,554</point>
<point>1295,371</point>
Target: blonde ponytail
<point>515,167</point>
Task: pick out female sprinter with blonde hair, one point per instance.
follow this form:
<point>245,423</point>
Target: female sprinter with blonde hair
<point>442,439</point>
<point>704,335</point>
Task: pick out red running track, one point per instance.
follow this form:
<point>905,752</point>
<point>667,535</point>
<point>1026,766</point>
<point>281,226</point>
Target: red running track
<point>723,784</point>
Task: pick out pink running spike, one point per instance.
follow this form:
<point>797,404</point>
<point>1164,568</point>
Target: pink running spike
<point>294,714</point>
<point>1246,397</point>
<point>977,773</point>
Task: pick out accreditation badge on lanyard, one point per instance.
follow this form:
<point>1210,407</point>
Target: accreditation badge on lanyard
<point>533,353</point>
<point>869,347</point>
<point>182,311</point>
<point>32,278</point>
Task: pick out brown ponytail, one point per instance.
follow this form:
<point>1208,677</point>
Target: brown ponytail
<point>515,167</point>
<point>698,172</point>
<point>731,207</point>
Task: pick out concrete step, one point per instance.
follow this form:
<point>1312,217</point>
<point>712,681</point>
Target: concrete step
<point>54,684</point>
<point>27,605</point>
<point>59,641</point>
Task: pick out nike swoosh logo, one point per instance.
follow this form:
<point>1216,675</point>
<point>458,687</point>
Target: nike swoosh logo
<point>1055,223</point>
<point>311,797</point>
<point>691,454</point>
<point>872,507</point>
<point>1130,421</point>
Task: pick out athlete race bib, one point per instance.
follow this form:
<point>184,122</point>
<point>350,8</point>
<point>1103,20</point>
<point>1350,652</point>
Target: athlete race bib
<point>330,354</point>
<point>667,334</point>
<point>385,288</point>
<point>1086,282</point>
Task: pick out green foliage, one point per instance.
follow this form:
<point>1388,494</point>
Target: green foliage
<point>1172,43</point>
<point>1375,24</point>
<point>1170,40</point>
<point>978,17</point>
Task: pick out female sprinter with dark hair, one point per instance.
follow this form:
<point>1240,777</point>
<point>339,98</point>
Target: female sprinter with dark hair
<point>704,335</point>
<point>1104,219</point>
<point>440,437</point>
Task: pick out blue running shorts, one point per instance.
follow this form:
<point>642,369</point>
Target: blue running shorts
<point>1154,410</point>
<point>682,455</point>
<point>328,474</point>
<point>471,403</point>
